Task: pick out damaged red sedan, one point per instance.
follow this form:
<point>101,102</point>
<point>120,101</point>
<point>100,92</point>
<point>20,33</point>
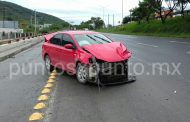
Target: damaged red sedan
<point>92,56</point>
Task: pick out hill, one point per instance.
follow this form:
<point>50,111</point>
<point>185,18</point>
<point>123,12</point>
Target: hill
<point>22,14</point>
<point>174,27</point>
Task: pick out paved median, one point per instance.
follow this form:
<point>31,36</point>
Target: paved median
<point>9,50</point>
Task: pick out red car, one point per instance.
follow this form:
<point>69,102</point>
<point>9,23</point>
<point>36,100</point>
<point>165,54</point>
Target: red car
<point>92,56</point>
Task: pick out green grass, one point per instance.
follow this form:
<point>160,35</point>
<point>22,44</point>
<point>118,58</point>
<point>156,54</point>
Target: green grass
<point>175,27</point>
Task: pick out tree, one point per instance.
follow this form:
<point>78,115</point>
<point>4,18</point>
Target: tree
<point>109,26</point>
<point>93,23</point>
<point>146,9</point>
<point>157,6</point>
<point>55,27</point>
<point>143,11</point>
<point>97,22</point>
<point>137,13</point>
<point>86,24</point>
<point>126,20</point>
<point>183,4</point>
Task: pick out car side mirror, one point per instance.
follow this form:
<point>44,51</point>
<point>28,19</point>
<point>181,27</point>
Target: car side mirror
<point>69,46</point>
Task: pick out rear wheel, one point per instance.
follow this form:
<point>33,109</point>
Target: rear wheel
<point>82,73</point>
<point>48,65</point>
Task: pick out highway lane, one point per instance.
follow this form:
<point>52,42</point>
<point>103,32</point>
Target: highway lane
<point>19,94</point>
<point>152,98</point>
<point>168,50</point>
<point>157,98</point>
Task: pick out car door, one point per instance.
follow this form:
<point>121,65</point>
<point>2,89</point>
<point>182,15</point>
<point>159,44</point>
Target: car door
<point>67,56</point>
<point>55,47</point>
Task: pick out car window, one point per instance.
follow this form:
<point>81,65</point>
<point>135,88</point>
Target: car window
<point>89,39</point>
<point>57,40</point>
<point>66,40</point>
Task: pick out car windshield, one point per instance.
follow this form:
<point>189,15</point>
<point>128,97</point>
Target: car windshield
<point>89,39</point>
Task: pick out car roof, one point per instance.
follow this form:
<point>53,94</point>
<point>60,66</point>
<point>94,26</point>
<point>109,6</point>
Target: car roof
<point>78,32</point>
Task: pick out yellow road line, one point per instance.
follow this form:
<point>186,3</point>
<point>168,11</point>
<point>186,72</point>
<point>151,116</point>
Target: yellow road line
<point>48,85</point>
<point>54,71</point>
<point>52,77</point>
<point>43,97</point>
<point>53,74</point>
<point>46,91</point>
<point>39,106</point>
<point>39,116</point>
<point>51,81</point>
<point>36,116</point>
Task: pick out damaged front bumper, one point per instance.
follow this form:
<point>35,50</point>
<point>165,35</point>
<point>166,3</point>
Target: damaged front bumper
<point>109,73</point>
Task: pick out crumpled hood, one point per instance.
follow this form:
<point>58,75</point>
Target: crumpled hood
<point>110,52</point>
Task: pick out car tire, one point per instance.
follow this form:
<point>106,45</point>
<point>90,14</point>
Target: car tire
<point>48,65</point>
<point>82,73</point>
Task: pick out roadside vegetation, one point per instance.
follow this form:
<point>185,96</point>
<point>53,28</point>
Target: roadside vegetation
<point>92,24</point>
<point>173,27</point>
<point>151,17</point>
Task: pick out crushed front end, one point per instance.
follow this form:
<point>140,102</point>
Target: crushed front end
<point>108,72</point>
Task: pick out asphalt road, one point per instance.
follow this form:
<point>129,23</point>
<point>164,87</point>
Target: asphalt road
<point>18,94</point>
<point>155,97</point>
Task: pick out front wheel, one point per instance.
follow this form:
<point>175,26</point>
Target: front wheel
<point>82,73</point>
<point>48,65</point>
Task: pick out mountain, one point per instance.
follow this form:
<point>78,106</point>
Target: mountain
<point>18,13</point>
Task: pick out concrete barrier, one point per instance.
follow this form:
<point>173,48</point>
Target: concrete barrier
<point>8,51</point>
<point>6,41</point>
<point>17,39</point>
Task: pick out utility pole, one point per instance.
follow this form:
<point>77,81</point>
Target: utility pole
<point>103,16</point>
<point>122,10</point>
<point>108,20</point>
<point>130,14</point>
<point>113,20</point>
<point>4,17</point>
<point>103,13</point>
<point>35,21</point>
<point>31,20</point>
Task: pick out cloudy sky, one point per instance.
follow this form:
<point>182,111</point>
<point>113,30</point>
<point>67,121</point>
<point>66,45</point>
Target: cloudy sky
<point>77,11</point>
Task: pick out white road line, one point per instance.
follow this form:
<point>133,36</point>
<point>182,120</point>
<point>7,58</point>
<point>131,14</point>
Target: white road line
<point>150,64</point>
<point>188,52</point>
<point>180,42</point>
<point>147,45</point>
<point>158,68</point>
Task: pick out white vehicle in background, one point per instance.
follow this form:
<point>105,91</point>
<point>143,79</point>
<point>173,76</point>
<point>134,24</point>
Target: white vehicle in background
<point>86,29</point>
